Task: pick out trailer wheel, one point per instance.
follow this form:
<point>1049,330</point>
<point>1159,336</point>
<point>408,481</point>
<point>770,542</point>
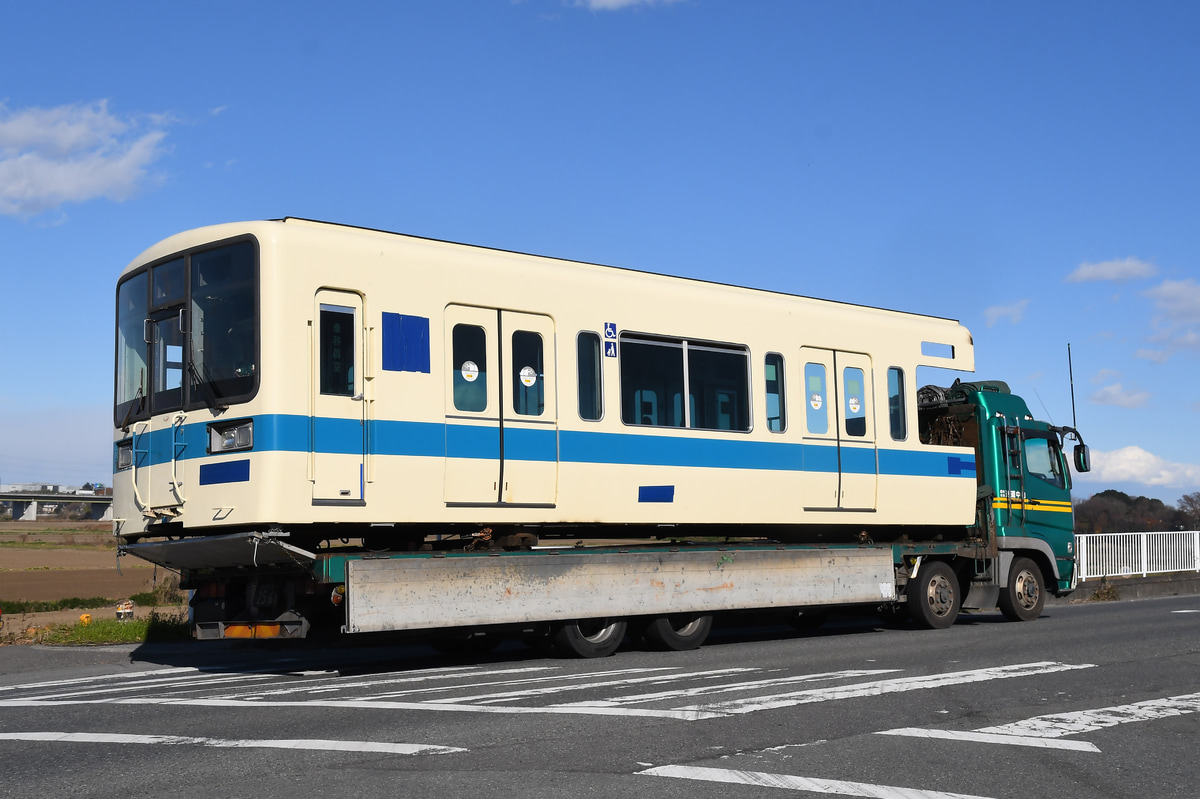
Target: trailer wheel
<point>933,597</point>
<point>588,638</point>
<point>678,633</point>
<point>1024,596</point>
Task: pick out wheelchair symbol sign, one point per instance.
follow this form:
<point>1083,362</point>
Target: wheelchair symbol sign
<point>610,331</point>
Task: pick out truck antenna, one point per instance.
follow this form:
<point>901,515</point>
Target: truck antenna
<point>1071,372</point>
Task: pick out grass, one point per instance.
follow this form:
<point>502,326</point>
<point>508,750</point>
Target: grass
<point>155,628</point>
<point>15,606</point>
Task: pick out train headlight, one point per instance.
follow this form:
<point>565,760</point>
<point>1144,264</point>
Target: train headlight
<point>124,455</point>
<point>231,436</point>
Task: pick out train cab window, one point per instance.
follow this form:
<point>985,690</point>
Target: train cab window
<point>816,399</point>
<point>336,350</point>
<point>528,377</point>
<point>776,409</point>
<point>651,382</point>
<point>132,369</point>
<point>855,401</point>
<point>591,397</point>
<point>1042,460</point>
<point>470,367</point>
<point>167,283</point>
<point>897,420</point>
<point>718,387</point>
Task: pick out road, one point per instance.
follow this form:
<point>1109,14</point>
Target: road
<point>1091,700</point>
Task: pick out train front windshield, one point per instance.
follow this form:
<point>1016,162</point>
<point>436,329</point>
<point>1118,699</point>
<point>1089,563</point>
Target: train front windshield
<point>187,333</point>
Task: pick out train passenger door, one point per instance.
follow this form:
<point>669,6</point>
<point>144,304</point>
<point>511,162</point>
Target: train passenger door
<point>338,420</point>
<point>501,415</point>
<point>840,466</point>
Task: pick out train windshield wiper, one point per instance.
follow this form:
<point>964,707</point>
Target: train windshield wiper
<point>210,391</point>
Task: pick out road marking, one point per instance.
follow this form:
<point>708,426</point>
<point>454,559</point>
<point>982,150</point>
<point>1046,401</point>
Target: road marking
<point>1185,611</point>
<point>880,687</point>
<point>555,689</point>
<point>792,783</point>
<point>993,738</point>
<point>182,740</point>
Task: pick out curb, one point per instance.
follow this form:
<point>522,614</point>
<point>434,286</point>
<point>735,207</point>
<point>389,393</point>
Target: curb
<point>1108,589</point>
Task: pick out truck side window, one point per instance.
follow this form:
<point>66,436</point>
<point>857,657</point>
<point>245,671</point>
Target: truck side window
<point>816,404</point>
<point>470,367</point>
<point>897,420</point>
<point>1041,460</point>
<point>776,409</point>
<point>591,398</point>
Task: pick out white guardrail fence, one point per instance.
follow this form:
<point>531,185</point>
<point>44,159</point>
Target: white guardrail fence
<point>1136,554</point>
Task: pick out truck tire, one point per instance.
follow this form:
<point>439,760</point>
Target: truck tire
<point>1025,595</point>
<point>933,596</point>
<point>677,633</point>
<point>588,638</point>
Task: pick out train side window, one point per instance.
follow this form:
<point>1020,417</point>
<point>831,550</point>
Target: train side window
<point>591,396</point>
<point>718,388</point>
<point>855,401</point>
<point>528,376</point>
<point>469,345</point>
<point>816,396</point>
<point>897,419</point>
<point>651,376</point>
<point>337,350</point>
<point>776,408</point>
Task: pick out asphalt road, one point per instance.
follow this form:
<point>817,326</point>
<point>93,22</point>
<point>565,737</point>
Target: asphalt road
<point>1094,700</point>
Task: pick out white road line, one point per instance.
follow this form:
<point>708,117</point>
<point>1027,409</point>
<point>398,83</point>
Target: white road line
<point>788,782</point>
<point>701,690</point>
<point>181,740</point>
<point>556,689</point>
<point>674,670</point>
<point>879,687</point>
<point>421,677</point>
<point>992,738</point>
<point>1185,611</point>
<point>1057,725</point>
<point>134,675</point>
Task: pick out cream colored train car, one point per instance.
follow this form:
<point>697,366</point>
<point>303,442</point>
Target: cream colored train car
<point>336,382</point>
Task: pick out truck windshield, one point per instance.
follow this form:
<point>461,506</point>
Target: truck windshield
<point>187,333</point>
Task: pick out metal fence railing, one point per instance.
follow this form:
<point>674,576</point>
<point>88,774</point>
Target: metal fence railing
<point>1136,554</point>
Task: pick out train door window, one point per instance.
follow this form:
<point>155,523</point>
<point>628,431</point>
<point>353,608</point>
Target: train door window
<point>528,377</point>
<point>470,367</point>
<point>651,377</point>
<point>336,350</point>
<point>817,399</point>
<point>167,353</point>
<point>718,388</point>
<point>776,410</point>
<point>855,401</point>
<point>897,420</point>
<point>591,398</point>
<point>1042,460</point>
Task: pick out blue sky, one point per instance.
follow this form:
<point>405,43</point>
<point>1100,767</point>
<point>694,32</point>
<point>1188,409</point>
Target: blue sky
<point>1028,168</point>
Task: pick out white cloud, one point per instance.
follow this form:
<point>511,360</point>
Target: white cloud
<point>1136,465</point>
<point>1156,356</point>
<point>1013,313</point>
<point>1177,323</point>
<point>1122,269</point>
<point>614,5</point>
<point>1116,394</point>
<point>1105,375</point>
<point>72,153</point>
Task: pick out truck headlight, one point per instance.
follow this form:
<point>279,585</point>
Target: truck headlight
<point>231,436</point>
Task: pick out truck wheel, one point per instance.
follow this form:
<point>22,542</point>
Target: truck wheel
<point>677,633</point>
<point>1024,596</point>
<point>588,638</point>
<point>933,598</point>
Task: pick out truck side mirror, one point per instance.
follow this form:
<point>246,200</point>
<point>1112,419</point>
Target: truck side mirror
<point>1083,458</point>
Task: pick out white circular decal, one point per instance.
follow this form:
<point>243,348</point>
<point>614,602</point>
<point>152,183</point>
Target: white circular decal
<point>854,406</point>
<point>528,376</point>
<point>470,371</point>
<point>815,401</point>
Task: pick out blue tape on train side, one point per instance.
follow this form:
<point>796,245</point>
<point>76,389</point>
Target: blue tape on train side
<point>225,472</point>
<point>656,493</point>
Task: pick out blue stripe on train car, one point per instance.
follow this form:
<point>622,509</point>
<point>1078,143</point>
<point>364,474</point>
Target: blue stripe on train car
<point>465,441</point>
<point>526,444</point>
<point>225,472</point>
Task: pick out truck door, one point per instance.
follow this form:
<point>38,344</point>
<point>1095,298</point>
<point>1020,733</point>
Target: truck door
<point>840,466</point>
<point>501,414</point>
<point>1046,511</point>
<point>338,421</point>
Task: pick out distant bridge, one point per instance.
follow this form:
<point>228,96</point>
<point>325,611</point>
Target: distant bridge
<point>25,504</point>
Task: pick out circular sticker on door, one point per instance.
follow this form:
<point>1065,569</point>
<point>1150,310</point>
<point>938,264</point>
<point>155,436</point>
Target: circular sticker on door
<point>528,376</point>
<point>470,371</point>
<point>815,401</point>
<point>854,405</point>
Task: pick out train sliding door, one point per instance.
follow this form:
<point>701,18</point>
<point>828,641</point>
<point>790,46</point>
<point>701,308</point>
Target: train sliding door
<point>840,465</point>
<point>501,414</point>
<point>338,421</point>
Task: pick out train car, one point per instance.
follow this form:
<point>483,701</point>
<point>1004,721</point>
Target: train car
<point>289,386</point>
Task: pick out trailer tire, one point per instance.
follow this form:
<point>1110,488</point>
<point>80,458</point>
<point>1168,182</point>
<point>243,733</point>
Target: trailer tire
<point>1025,595</point>
<point>588,638</point>
<point>933,596</point>
<point>677,633</point>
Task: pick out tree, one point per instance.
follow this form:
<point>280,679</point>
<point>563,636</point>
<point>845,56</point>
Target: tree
<point>1189,508</point>
<point>1114,511</point>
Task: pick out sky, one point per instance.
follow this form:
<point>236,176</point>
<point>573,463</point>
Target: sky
<point>1028,168</point>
